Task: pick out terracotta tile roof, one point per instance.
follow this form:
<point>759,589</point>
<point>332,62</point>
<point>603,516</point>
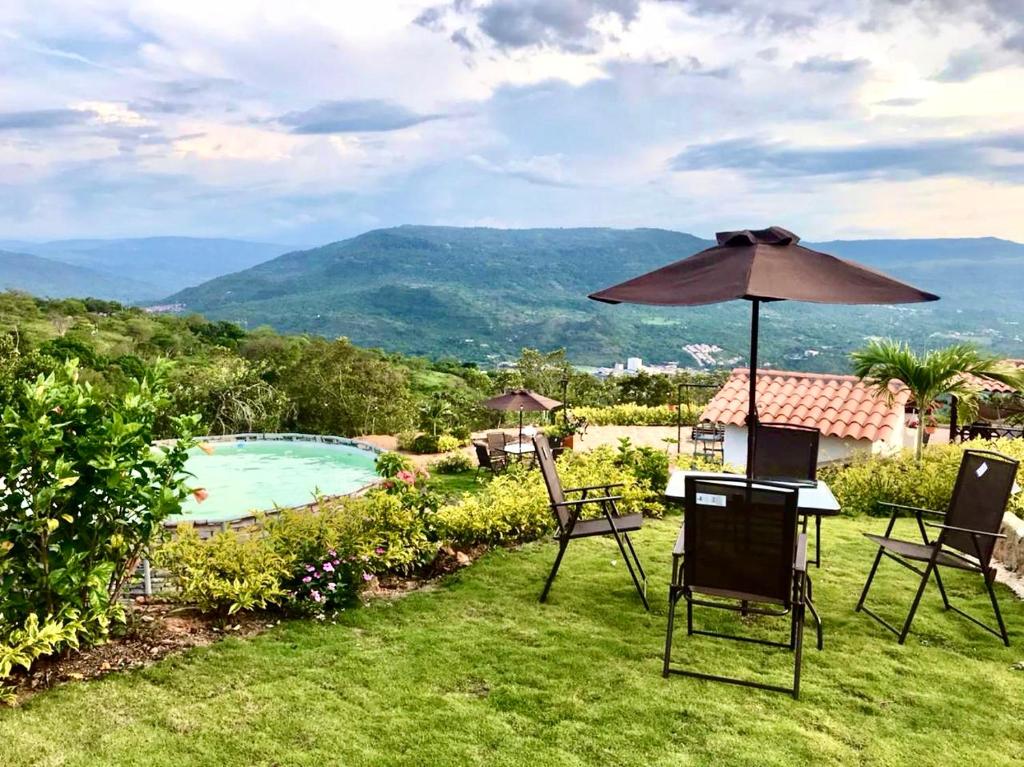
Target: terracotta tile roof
<point>838,405</point>
<point>994,386</point>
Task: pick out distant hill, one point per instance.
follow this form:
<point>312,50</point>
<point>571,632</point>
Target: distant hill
<point>150,267</point>
<point>484,293</point>
<point>53,279</point>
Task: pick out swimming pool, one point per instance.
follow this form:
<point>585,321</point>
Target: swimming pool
<point>242,476</point>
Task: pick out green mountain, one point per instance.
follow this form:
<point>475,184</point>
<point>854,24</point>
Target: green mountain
<point>482,294</point>
<point>54,279</point>
<point>152,266</point>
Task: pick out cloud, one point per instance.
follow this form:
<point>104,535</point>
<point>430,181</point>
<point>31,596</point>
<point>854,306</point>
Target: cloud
<point>901,101</point>
<point>832,66</point>
<point>1015,42</point>
<point>971,156</point>
<point>566,24</point>
<point>430,18</point>
<point>545,170</point>
<point>356,116</point>
<point>44,119</point>
<point>461,39</point>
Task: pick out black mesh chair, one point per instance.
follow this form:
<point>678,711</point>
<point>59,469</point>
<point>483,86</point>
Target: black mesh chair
<point>966,536</point>
<point>571,527</point>
<point>741,546</point>
<point>786,453</point>
<point>485,460</point>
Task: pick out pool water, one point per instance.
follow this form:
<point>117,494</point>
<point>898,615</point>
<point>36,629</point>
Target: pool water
<point>243,477</point>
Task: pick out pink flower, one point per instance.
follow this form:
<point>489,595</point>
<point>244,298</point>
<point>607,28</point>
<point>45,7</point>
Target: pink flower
<point>201,494</point>
<point>328,567</point>
<point>310,568</point>
<point>407,477</point>
<point>367,576</point>
<point>307,579</point>
<point>316,596</point>
<point>333,553</point>
<point>336,562</point>
<point>332,586</point>
<point>379,550</point>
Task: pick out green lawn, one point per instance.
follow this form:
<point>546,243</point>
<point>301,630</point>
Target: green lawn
<point>478,673</point>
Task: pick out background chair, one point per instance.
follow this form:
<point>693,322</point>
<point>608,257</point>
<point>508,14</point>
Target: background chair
<point>966,536</point>
<point>786,453</point>
<point>708,441</point>
<point>740,545</point>
<point>571,527</point>
<point>485,460</point>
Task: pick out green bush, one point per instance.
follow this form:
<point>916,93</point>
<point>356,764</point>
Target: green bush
<point>514,506</point>
<point>446,443</point>
<point>453,463</point>
<point>649,466</point>
<point>225,573</point>
<point>84,495</point>
<point>627,414</point>
<point>860,486</point>
<point>390,464</point>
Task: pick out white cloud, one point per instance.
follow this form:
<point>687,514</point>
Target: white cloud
<point>311,120</point>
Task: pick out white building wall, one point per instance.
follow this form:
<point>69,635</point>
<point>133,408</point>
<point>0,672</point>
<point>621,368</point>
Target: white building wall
<point>829,449</point>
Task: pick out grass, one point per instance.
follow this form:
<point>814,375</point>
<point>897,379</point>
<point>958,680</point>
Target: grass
<point>479,673</point>
<point>455,484</point>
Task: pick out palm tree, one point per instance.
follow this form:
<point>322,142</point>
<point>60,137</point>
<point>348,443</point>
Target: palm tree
<point>953,371</point>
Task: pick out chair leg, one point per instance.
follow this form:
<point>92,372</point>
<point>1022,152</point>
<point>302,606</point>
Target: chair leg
<point>942,590</point>
<point>563,543</point>
<point>798,625</point>
<point>673,599</point>
<point>636,559</point>
<point>995,609</point>
<point>817,540</point>
<point>640,588</point>
<point>917,600</point>
<point>814,614</point>
<point>871,577</point>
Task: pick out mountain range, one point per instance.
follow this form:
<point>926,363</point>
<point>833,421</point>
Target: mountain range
<point>482,294</point>
<point>131,270</point>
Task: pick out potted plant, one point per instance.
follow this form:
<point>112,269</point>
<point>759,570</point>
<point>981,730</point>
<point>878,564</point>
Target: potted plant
<point>564,428</point>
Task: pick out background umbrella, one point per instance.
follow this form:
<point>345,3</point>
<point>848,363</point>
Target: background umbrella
<point>521,400</point>
<point>761,265</point>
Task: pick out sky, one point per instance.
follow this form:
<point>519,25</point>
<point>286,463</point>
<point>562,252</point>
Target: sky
<point>305,122</point>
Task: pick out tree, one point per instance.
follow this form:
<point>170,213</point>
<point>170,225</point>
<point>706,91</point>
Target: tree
<point>952,371</point>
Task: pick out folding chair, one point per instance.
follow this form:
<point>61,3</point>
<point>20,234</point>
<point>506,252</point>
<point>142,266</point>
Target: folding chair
<point>786,453</point>
<point>571,527</point>
<point>966,536</point>
<point>741,545</point>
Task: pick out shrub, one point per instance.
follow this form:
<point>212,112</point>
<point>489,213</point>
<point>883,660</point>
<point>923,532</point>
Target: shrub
<point>649,466</point>
<point>627,414</point>
<point>225,573</point>
<point>860,486</point>
<point>453,463</point>
<point>446,443</point>
<point>390,464</point>
<point>84,495</point>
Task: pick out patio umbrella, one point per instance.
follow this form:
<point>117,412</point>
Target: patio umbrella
<point>522,400</point>
<point>760,265</point>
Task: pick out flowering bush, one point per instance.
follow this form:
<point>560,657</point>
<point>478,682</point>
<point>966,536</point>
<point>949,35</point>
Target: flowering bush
<point>327,584</point>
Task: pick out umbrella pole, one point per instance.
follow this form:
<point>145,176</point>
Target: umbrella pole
<point>520,426</point>
<point>755,311</point>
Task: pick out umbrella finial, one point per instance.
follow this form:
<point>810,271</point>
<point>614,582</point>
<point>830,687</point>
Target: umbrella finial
<point>773,235</point>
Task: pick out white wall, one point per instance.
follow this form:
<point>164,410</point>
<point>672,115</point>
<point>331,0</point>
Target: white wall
<point>829,449</point>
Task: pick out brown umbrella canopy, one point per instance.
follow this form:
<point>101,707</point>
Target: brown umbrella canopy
<point>521,399</point>
<point>765,264</point>
<point>761,265</point>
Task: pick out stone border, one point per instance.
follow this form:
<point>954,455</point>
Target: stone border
<point>207,527</point>
<point>1009,552</point>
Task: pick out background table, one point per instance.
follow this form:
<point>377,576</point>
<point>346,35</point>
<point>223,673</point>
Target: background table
<point>814,500</point>
<point>518,448</point>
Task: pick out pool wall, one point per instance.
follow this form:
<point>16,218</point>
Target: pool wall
<point>206,527</point>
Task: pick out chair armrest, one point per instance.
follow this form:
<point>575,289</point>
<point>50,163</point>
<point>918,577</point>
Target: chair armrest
<point>800,560</point>
<point>605,487</point>
<point>595,499</point>
<point>965,530</point>
<point>677,550</point>
<point>915,509</point>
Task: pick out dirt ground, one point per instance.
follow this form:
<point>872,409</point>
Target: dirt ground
<point>640,436</point>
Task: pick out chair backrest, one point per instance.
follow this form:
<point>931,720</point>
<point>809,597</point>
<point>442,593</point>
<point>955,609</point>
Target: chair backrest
<point>740,538</point>
<point>496,440</point>
<point>546,461</point>
<point>785,452</point>
<point>483,457</point>
<point>980,495</point>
